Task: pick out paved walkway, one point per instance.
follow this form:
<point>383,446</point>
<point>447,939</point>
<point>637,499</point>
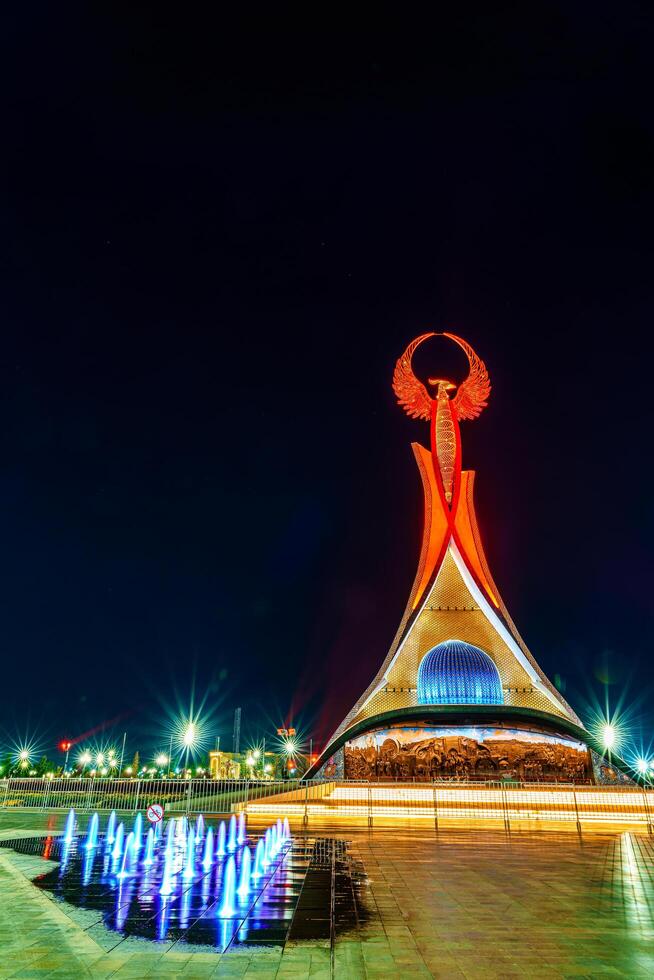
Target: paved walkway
<point>462,904</point>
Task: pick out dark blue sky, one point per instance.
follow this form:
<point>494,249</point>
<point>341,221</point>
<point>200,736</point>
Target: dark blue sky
<point>217,238</point>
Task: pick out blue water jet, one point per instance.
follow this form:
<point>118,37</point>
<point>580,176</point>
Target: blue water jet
<point>231,839</point>
<point>240,837</point>
<point>265,861</point>
<point>199,829</point>
<point>127,855</point>
<point>220,852</point>
<point>258,860</point>
<point>69,830</point>
<point>118,843</point>
<point>244,879</point>
<point>287,829</point>
<point>229,884</point>
<point>149,849</point>
<point>189,868</point>
<point>92,839</point>
<point>138,830</point>
<point>169,859</point>
<point>207,860</point>
<point>110,834</point>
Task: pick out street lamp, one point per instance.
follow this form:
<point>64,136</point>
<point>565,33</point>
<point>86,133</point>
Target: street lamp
<point>609,736</point>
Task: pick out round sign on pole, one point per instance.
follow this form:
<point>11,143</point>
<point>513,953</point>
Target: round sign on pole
<point>155,812</point>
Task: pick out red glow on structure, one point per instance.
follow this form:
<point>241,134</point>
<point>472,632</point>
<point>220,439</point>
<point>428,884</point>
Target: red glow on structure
<point>470,399</point>
<point>65,745</point>
<point>471,396</point>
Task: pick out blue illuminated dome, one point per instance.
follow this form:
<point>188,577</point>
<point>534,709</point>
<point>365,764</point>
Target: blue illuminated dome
<point>458,673</point>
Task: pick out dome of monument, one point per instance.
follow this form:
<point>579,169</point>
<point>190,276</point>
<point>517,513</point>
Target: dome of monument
<point>458,673</point>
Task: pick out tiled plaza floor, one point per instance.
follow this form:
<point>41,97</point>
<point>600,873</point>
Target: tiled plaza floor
<point>471,904</point>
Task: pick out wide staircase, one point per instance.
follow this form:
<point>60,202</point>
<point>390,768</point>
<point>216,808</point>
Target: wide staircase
<point>508,805</point>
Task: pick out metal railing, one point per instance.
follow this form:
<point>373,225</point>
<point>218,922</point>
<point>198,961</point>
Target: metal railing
<point>517,805</point>
<point>132,795</point>
<point>347,802</point>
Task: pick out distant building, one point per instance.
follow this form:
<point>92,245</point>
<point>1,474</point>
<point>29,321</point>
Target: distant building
<point>225,765</point>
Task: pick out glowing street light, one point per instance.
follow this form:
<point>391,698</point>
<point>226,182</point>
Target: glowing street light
<point>642,766</point>
<point>609,736</point>
<point>24,755</point>
<point>161,760</point>
<point>190,736</point>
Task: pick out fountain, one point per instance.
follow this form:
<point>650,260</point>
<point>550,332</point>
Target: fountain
<point>138,830</point>
<point>231,836</point>
<point>149,849</point>
<point>229,882</point>
<point>69,830</point>
<point>111,828</point>
<point>265,861</point>
<point>287,829</point>
<point>207,860</point>
<point>118,843</point>
<point>127,854</point>
<point>87,864</point>
<point>174,869</point>
<point>258,860</point>
<point>92,839</point>
<point>189,869</point>
<point>244,880</point>
<point>169,860</point>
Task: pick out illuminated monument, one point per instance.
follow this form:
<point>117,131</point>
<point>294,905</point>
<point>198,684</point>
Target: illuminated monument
<point>459,694</point>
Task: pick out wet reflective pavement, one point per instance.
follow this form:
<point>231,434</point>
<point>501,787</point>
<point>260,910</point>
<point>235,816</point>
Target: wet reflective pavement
<point>112,908</point>
<point>465,904</point>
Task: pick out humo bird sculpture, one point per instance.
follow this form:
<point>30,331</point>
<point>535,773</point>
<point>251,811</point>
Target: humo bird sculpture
<point>443,411</point>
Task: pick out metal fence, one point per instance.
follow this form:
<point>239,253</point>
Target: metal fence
<point>517,805</point>
<point>349,803</point>
<point>131,795</point>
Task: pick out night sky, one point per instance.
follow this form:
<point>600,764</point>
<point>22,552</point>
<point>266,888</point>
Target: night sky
<point>218,236</point>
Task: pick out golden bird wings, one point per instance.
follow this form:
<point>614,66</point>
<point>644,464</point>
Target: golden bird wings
<point>472,394</point>
<point>411,393</point>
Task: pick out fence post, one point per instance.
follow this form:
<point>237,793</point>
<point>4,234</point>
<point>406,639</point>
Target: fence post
<point>188,797</point>
<point>90,794</point>
<point>574,794</point>
<point>507,823</point>
<point>305,818</point>
<point>369,806</point>
<point>435,808</point>
<point>4,802</point>
<point>138,793</point>
<point>648,815</point>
